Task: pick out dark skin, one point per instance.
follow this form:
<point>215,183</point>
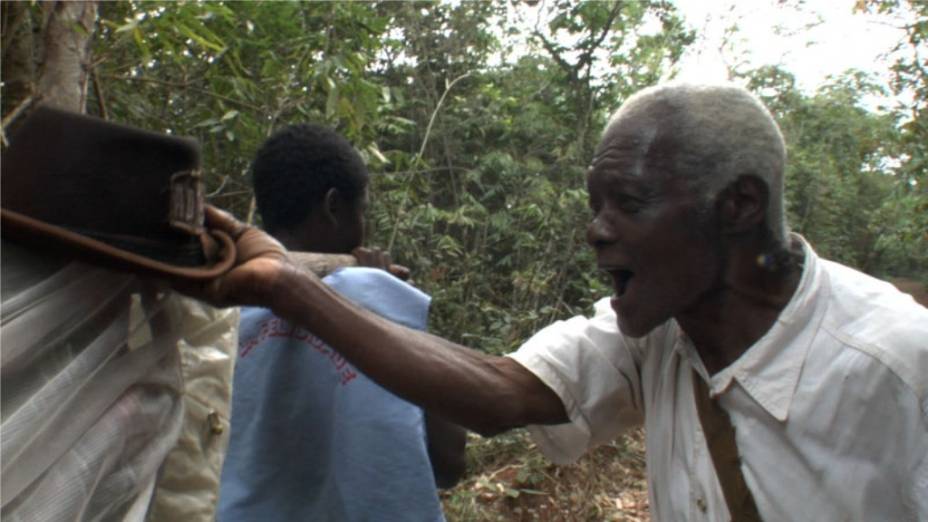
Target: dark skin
<point>336,226</point>
<point>673,255</point>
<point>688,261</point>
<point>721,327</point>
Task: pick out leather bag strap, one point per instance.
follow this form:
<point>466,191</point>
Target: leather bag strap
<point>720,438</point>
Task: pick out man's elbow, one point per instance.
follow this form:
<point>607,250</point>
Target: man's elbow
<point>496,424</point>
<point>451,471</point>
<point>523,401</point>
<point>521,411</point>
<point>511,397</point>
<point>447,443</point>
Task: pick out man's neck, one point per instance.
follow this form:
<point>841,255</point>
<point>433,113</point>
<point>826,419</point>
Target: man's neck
<point>297,242</point>
<point>750,297</point>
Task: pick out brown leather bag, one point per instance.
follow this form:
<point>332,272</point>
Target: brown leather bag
<point>111,194</point>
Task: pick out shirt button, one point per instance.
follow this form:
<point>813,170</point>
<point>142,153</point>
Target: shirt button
<point>701,504</point>
<point>215,425</point>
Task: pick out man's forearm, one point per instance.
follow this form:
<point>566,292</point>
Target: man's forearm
<point>484,393</point>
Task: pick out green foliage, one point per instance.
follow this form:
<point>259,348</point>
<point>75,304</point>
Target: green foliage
<point>478,140</point>
<point>903,235</point>
<point>228,73</point>
<point>493,212</point>
<point>847,187</point>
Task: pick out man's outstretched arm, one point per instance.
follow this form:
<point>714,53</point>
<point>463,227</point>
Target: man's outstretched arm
<point>484,393</point>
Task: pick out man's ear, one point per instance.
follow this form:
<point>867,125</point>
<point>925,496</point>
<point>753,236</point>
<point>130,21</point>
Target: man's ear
<point>742,205</point>
<point>331,205</point>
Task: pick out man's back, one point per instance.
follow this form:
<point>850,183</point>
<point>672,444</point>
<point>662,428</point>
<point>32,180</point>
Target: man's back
<point>313,438</point>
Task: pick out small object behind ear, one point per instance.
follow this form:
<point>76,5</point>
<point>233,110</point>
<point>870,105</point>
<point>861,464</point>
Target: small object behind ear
<point>765,261</point>
<point>780,259</point>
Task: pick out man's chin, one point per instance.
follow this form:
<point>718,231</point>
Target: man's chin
<point>631,323</point>
<point>633,329</point>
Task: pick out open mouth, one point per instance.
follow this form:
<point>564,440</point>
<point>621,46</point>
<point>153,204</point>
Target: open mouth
<point>620,280</point>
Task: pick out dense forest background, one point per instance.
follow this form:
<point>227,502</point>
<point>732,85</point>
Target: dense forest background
<point>478,119</point>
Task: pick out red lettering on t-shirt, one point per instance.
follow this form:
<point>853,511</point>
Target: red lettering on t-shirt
<point>348,375</point>
<point>278,328</point>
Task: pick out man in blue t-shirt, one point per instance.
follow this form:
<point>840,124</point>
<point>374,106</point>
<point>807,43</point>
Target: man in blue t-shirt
<point>312,438</point>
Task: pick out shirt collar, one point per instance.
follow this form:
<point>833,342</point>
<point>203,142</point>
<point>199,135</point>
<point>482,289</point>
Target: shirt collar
<point>769,370</point>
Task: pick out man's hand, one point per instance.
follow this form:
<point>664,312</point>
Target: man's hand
<point>376,258</point>
<point>260,260</point>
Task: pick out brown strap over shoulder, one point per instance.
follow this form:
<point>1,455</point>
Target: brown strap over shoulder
<point>720,438</point>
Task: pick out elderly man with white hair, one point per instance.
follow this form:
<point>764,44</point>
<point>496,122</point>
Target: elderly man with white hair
<point>772,384</point>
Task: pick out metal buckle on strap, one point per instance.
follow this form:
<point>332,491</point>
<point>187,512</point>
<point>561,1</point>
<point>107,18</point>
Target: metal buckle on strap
<point>187,212</point>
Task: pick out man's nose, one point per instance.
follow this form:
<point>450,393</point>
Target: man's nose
<point>599,232</point>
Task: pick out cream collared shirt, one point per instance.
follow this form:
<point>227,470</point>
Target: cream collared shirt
<point>829,407</point>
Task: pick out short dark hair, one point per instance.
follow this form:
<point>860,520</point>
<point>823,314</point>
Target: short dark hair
<point>294,169</point>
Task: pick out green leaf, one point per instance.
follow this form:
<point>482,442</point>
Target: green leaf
<point>142,44</point>
<point>331,103</point>
<point>131,25</point>
<point>200,40</point>
<point>375,152</point>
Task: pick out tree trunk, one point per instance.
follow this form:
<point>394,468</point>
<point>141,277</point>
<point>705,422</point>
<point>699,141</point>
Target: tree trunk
<point>46,53</point>
<point>67,30</point>
<point>18,70</point>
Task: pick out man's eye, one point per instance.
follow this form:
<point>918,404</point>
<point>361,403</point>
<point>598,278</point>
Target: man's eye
<point>629,205</point>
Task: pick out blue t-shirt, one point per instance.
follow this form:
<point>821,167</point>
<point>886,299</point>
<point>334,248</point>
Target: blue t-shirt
<point>314,439</point>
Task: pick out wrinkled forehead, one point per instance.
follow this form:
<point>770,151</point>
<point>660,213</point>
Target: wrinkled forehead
<point>627,141</point>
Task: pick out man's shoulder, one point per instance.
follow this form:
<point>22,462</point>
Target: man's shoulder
<point>383,294</point>
<point>874,318</point>
<point>362,275</point>
<point>863,305</point>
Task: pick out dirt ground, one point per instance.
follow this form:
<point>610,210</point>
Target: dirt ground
<point>509,480</point>
<point>915,288</point>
